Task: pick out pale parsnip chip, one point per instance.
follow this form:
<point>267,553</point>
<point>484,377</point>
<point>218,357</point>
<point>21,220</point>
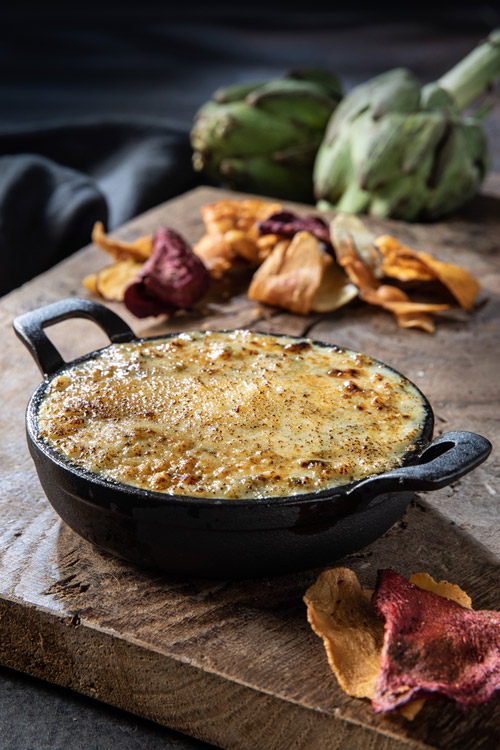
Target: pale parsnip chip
<point>335,290</point>
<point>348,232</point>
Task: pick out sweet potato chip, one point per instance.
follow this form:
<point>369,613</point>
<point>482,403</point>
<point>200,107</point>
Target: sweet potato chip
<point>138,250</point>
<point>232,234</point>
<point>340,612</point>
<point>244,214</point>
<point>408,313</point>
<point>217,255</point>
<point>354,250</point>
<point>400,261</point>
<point>461,284</point>
<point>111,281</point>
<point>90,283</point>
<point>291,276</point>
<point>433,645</point>
<point>443,588</point>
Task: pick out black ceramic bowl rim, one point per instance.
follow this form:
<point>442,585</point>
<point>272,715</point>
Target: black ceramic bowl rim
<point>190,501</point>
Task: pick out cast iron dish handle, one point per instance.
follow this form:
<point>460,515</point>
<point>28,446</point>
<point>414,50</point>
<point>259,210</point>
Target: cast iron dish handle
<point>445,460</point>
<point>29,327</point>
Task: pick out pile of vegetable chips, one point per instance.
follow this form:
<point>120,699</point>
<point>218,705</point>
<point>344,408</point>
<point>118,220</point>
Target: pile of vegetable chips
<point>299,264</point>
<point>406,641</point>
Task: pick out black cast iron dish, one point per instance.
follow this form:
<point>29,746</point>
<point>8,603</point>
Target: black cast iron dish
<point>226,538</point>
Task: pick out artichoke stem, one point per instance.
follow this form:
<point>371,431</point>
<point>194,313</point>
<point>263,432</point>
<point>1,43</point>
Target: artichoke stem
<point>469,78</point>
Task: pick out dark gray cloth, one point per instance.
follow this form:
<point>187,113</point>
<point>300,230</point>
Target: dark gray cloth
<point>56,182</point>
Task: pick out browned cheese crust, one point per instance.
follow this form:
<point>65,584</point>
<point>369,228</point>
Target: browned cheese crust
<point>231,415</point>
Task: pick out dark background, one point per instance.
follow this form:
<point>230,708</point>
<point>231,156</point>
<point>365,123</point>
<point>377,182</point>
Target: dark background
<point>96,105</point>
<point>97,100</point>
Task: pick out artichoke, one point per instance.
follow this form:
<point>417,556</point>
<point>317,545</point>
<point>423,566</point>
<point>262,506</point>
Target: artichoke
<point>263,137</point>
<point>396,149</point>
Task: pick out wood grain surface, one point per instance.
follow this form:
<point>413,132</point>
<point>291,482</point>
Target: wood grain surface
<point>236,663</point>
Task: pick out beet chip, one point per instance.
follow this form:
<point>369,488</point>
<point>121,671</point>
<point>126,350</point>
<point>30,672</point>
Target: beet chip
<point>287,224</point>
<point>432,645</point>
<point>173,277</point>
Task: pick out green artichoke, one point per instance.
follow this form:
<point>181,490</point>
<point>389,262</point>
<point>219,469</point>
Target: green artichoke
<point>396,149</point>
<point>263,137</point>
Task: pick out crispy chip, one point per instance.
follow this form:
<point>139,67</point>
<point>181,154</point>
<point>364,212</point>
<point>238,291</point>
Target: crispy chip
<point>339,611</point>
<point>443,588</point>
<point>232,234</point>
<point>433,645</point>
<point>335,290</point>
<point>341,614</point>
<point>287,224</point>
<point>401,262</point>
<point>456,279</point>
<point>348,234</point>
<point>217,255</point>
<point>172,278</point>
<point>138,250</point>
<point>90,283</point>
<point>111,281</point>
<point>224,215</point>
<point>351,243</point>
<point>291,276</point>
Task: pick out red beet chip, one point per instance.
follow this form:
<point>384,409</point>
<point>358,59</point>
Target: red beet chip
<point>287,224</point>
<point>137,301</point>
<point>173,277</point>
<point>433,646</point>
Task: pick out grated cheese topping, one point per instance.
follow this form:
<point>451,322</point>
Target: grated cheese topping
<point>231,415</point>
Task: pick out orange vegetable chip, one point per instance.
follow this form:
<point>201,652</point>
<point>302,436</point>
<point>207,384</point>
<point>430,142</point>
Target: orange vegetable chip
<point>138,250</point>
<point>353,249</point>
<point>401,262</point>
<point>111,282</point>
<point>232,235</point>
<point>340,612</point>
<point>291,276</point>
<point>90,283</point>
<point>461,284</point>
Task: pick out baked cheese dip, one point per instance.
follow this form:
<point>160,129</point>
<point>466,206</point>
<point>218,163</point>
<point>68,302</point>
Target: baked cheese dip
<point>231,415</point>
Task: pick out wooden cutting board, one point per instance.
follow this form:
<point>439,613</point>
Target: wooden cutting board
<point>236,664</point>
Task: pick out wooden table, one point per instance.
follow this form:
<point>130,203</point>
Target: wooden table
<point>236,664</point>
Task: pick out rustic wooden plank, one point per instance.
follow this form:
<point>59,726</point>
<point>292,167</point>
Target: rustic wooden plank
<point>235,663</point>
